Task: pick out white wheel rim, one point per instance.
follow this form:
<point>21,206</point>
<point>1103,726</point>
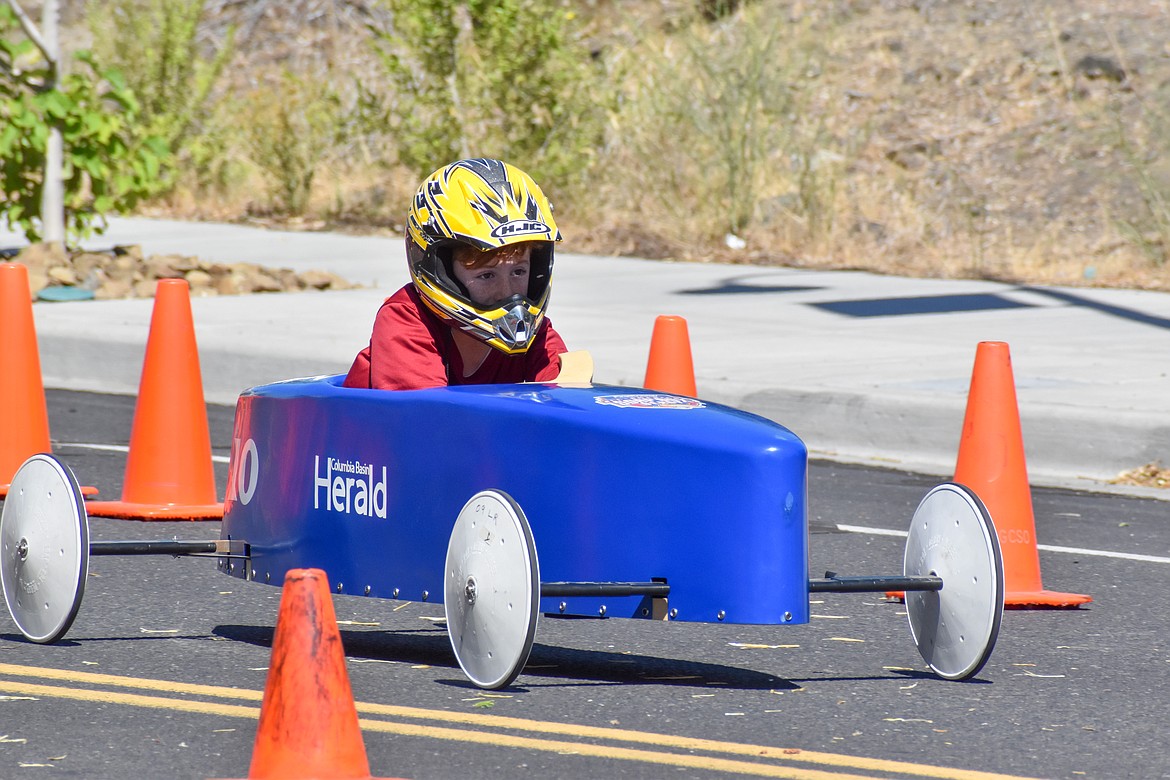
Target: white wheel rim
<point>44,548</point>
<point>491,592</point>
<point>952,537</point>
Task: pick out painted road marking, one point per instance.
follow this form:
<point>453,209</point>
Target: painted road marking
<point>120,448</point>
<point>480,721</point>
<point>849,528</point>
<point>860,529</point>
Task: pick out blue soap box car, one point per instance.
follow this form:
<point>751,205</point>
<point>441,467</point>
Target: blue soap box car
<point>505,502</point>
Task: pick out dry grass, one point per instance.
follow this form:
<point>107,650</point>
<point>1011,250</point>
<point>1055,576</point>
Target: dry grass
<point>1149,475</point>
<point>943,138</point>
<point>974,145</point>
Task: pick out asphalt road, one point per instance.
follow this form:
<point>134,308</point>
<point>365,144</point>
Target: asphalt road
<point>161,674</point>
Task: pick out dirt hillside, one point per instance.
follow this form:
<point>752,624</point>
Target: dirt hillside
<point>1013,140</point>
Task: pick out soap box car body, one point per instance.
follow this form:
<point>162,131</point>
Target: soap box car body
<point>618,485</point>
<point>505,502</point>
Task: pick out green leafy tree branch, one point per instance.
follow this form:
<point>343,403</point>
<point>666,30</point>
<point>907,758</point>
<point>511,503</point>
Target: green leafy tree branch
<point>155,45</point>
<point>110,161</point>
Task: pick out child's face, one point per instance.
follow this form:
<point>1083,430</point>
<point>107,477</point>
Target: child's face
<point>493,275</point>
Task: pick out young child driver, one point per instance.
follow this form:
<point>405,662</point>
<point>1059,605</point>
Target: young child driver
<point>479,244</point>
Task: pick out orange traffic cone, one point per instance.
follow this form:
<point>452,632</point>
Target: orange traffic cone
<point>22,393</point>
<point>308,721</point>
<point>991,462</point>
<point>670,368</point>
<point>169,475</point>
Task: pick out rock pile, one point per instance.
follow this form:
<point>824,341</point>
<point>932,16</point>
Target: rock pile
<point>123,272</point>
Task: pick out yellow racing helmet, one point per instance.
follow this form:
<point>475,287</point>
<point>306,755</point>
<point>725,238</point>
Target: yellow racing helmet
<point>484,204</point>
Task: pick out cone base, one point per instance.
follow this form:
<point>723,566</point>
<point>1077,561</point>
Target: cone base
<point>127,510</point>
<point>1025,599</point>
<point>323,777</point>
<point>86,490</point>
<point>1044,598</point>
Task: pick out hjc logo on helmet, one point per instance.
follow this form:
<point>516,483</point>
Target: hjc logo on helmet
<point>520,228</point>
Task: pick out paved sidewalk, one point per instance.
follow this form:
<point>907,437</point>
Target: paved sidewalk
<point>863,367</point>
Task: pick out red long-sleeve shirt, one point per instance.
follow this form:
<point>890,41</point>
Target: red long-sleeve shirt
<point>410,349</point>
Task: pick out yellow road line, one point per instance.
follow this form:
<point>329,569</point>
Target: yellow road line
<point>709,763</point>
<point>93,678</point>
<point>500,722</point>
<point>439,732</point>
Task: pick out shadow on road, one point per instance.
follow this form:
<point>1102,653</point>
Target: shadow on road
<point>559,665</point>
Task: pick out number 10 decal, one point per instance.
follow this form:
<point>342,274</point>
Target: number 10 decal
<point>244,474</point>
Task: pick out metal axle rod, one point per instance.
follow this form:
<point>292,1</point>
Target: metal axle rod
<point>833,583</point>
<point>658,590</point>
<point>224,548</point>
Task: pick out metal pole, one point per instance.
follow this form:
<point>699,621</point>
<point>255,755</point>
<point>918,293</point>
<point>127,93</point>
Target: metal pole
<point>224,548</point>
<point>658,590</point>
<point>837,584</point>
